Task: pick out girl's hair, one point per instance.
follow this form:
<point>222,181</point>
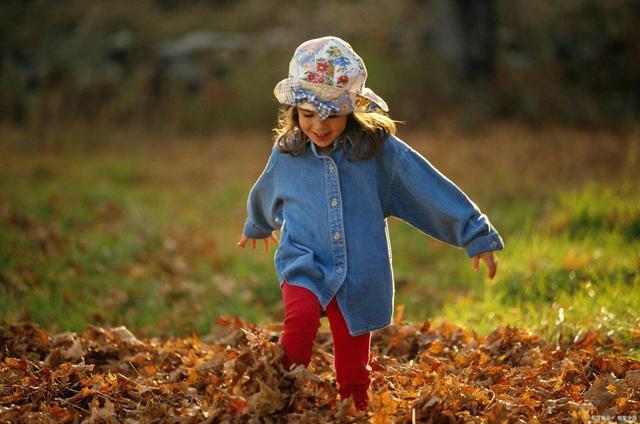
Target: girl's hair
<point>367,132</point>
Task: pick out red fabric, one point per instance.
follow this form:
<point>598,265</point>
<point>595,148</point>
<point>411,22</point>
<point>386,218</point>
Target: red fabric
<point>351,354</point>
<point>301,322</point>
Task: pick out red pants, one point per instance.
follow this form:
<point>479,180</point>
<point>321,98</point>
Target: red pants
<point>351,354</point>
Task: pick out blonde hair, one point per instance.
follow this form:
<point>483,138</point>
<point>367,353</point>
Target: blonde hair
<point>367,132</point>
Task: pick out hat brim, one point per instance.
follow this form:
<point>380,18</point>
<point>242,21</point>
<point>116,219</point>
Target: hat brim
<point>366,101</point>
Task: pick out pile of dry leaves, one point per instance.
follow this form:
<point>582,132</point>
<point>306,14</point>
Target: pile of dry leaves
<point>420,374</point>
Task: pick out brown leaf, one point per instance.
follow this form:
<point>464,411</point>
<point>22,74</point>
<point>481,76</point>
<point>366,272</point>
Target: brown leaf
<point>266,401</point>
<point>104,414</point>
<point>599,394</point>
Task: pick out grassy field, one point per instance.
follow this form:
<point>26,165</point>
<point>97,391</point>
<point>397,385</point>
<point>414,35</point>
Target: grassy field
<point>114,227</point>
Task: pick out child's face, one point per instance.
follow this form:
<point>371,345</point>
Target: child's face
<point>321,132</point>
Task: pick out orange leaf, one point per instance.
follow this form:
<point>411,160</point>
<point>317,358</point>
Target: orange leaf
<point>20,364</point>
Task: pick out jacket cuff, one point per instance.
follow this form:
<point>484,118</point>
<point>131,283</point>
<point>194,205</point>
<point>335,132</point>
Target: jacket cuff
<point>485,243</point>
<point>251,230</point>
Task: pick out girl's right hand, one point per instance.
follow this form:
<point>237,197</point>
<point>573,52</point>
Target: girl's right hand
<point>244,239</point>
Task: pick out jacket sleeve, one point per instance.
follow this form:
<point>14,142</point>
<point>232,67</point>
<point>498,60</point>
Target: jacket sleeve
<point>264,209</point>
<point>420,195</point>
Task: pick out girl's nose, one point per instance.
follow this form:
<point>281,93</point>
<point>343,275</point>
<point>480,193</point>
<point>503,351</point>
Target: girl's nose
<point>320,124</point>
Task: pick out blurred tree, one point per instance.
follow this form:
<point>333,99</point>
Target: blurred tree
<point>185,64</point>
<point>466,35</point>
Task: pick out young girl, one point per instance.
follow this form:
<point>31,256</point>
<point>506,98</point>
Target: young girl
<point>335,174</point>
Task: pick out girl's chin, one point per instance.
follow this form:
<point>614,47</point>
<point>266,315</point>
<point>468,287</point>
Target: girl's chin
<point>322,143</point>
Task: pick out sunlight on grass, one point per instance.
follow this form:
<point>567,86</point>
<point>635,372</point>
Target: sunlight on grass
<point>591,274</point>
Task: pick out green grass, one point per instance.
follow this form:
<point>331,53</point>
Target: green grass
<point>586,264</point>
<point>144,234</point>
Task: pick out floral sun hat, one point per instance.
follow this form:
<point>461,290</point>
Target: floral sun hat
<point>328,74</point>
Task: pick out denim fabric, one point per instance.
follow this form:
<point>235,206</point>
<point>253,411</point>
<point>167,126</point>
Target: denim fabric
<point>332,214</point>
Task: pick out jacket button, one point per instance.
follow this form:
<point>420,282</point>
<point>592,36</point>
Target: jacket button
<point>494,243</point>
<point>331,167</point>
<point>337,236</point>
<point>339,270</point>
<point>334,202</point>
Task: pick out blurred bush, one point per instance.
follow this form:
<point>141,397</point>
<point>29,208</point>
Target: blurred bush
<point>197,65</point>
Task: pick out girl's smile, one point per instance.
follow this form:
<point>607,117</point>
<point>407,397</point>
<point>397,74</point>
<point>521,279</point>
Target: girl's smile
<point>321,138</point>
<point>322,132</point>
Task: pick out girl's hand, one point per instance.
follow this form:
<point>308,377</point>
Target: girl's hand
<point>244,239</point>
<point>489,259</point>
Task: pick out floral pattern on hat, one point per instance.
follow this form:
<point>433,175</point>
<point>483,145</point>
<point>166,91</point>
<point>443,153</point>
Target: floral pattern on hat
<point>330,68</point>
<point>321,57</point>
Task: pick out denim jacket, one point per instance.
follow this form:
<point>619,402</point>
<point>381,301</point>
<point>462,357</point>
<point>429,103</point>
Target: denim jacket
<point>332,214</point>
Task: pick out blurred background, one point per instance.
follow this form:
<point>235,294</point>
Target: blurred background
<point>132,131</point>
<point>197,65</point>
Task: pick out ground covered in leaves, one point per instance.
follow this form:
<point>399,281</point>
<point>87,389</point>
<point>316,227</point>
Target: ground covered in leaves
<point>420,374</point>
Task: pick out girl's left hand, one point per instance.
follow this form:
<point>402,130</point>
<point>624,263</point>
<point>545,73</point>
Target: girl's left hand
<point>489,259</point>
